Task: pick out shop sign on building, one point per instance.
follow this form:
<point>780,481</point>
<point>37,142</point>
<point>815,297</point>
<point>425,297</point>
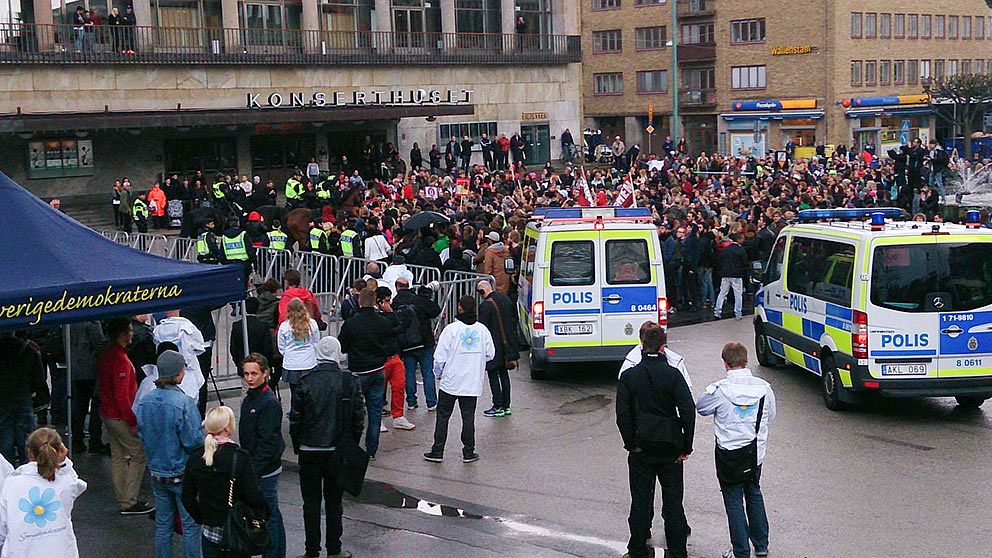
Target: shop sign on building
<point>789,50</point>
<point>533,116</point>
<point>392,97</point>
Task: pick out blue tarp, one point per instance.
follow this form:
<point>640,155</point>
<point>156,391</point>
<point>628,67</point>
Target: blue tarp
<point>54,271</point>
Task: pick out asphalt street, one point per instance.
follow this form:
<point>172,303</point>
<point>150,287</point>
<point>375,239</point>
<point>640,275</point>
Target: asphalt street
<point>894,478</point>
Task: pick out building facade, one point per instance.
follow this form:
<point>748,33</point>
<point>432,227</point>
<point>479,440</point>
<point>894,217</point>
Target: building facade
<point>260,88</point>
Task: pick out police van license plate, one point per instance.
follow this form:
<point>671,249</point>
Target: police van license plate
<point>573,329</point>
<point>904,369</point>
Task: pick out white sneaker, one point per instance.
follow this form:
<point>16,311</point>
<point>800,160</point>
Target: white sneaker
<point>728,554</point>
<point>402,424</point>
<point>431,409</point>
<point>382,427</point>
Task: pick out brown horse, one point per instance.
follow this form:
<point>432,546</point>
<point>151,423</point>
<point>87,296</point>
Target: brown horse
<point>296,224</point>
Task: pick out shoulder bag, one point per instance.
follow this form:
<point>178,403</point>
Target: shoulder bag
<point>351,460</point>
<point>739,465</point>
<point>511,364</point>
<point>244,534</point>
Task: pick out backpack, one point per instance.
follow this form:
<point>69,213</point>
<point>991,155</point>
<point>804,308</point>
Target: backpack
<point>409,336</point>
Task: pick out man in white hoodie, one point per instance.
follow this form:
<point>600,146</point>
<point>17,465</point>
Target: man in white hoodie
<point>190,341</point>
<point>742,407</point>
<point>460,359</point>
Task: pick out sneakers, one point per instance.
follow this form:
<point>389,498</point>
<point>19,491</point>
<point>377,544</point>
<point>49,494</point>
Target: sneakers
<point>140,508</point>
<point>506,411</point>
<point>431,408</point>
<point>385,412</point>
<point>412,407</point>
<point>383,427</point>
<point>728,554</point>
<point>470,457</point>
<point>402,423</point>
<point>342,554</point>
<point>761,553</point>
<point>434,457</point>
<point>494,412</point>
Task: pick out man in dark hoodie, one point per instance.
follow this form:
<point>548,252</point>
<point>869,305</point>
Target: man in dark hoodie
<point>655,415</point>
<point>21,373</point>
<point>313,428</point>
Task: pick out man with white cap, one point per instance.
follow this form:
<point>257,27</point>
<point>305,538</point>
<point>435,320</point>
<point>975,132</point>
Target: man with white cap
<point>313,427</point>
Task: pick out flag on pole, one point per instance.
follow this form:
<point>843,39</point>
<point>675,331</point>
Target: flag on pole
<point>625,194</point>
<point>585,197</point>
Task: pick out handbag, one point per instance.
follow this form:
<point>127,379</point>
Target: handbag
<point>244,534</point>
<point>351,461</point>
<point>510,364</point>
<point>739,465</point>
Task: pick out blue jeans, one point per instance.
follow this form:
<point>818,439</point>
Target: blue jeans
<point>706,291</point>
<point>725,285</point>
<point>277,532</point>
<point>425,358</point>
<point>746,522</point>
<point>168,502</point>
<point>937,177</point>
<point>16,424</point>
<point>374,390</point>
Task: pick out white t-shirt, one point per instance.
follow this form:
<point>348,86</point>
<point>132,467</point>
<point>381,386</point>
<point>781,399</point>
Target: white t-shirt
<point>675,360</point>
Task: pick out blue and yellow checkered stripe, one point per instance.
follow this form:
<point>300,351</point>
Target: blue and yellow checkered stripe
<point>837,324</point>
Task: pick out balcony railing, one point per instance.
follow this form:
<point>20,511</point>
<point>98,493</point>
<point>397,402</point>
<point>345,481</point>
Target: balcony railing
<point>689,52</point>
<point>60,44</point>
<point>696,8</point>
<point>697,97</point>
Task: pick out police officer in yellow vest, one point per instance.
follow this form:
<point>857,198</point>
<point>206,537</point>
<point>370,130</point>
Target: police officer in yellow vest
<point>277,238</point>
<point>237,249</point>
<point>318,238</point>
<point>351,244</point>
<point>324,188</point>
<point>139,212</point>
<point>294,190</point>
<point>206,245</point>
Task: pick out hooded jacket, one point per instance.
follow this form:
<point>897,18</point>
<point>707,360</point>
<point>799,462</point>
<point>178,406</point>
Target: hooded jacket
<point>463,349</point>
<point>188,338</point>
<point>654,409</point>
<point>494,263</point>
<point>311,302</point>
<point>49,533</point>
<point>734,402</point>
<point>674,359</point>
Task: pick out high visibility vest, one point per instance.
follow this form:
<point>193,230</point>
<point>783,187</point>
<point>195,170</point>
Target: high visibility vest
<point>294,189</point>
<point>277,239</point>
<point>316,235</point>
<point>324,191</point>
<point>348,239</point>
<point>139,209</point>
<point>234,248</point>
<point>203,244</point>
<point>218,191</point>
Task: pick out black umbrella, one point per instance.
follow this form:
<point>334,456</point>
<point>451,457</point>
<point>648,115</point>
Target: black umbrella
<point>425,219</point>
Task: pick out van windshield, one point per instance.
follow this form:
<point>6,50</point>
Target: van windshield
<point>909,277</point>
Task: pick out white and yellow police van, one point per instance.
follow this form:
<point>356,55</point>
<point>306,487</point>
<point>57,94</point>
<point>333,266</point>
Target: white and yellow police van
<point>589,278</point>
<point>874,305</point>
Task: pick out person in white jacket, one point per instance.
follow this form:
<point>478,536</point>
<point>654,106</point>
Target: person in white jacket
<point>190,341</point>
<point>460,359</point>
<point>396,270</point>
<point>36,502</point>
<point>674,359</point>
<point>735,402</point>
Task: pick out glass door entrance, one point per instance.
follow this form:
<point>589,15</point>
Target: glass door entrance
<point>537,144</point>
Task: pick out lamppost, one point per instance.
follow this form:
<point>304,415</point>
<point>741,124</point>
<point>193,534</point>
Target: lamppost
<point>675,72</point>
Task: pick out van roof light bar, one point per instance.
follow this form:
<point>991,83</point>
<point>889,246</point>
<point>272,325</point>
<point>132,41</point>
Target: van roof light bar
<point>859,214</point>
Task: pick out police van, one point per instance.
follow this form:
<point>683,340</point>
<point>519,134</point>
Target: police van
<point>875,305</point>
<point>589,278</point>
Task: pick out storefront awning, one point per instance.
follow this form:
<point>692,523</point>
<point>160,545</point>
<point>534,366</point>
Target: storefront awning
<point>889,111</point>
<point>782,115</point>
<point>14,123</point>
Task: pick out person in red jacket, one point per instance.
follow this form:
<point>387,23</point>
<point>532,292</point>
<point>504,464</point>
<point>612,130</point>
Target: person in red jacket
<point>291,290</point>
<point>157,201</point>
<point>118,387</point>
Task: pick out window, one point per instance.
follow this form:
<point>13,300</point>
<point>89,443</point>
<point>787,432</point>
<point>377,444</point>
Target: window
<point>965,27</point>
<point>902,277</point>
<point>823,269</point>
<point>925,26</point>
<point>345,15</point>
<point>952,27</point>
<point>648,2</point>
<point>753,30</point>
<point>697,79</point>
<point>924,70</point>
<point>606,4</point>
<point>884,72</point>
<point>477,16</point>
<point>855,72</point>
<point>899,26</point>
<point>280,152</point>
<point>938,69</point>
<point>627,262</point>
<point>912,71</point>
<point>646,38</point>
<point>856,22</point>
<point>652,81</point>
<point>980,66</point>
<point>266,23</point>
<point>938,27</point>
<point>697,34</point>
<point>899,72</point>
<point>606,41</point>
<point>913,25</point>
<point>473,130</point>
<point>885,26</point>
<point>979,27</point>
<point>774,270</point>
<point>572,263</point>
<point>747,77</point>
<point>870,72</point>
<point>966,66</point>
<point>871,26</point>
<point>186,156</point>
<point>952,68</point>
<point>608,84</point>
<point>529,254</point>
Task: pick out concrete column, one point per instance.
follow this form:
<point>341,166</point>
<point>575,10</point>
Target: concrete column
<point>508,16</point>
<point>382,20</point>
<point>231,23</point>
<point>244,154</point>
<point>143,14</point>
<point>44,17</point>
<point>448,24</point>
<point>310,26</point>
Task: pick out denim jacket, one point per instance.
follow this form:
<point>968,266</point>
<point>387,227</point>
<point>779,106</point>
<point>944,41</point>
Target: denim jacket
<point>169,427</point>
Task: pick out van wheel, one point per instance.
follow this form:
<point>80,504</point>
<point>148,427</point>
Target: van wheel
<point>971,401</point>
<point>763,349</point>
<point>538,370</point>
<point>830,384</point>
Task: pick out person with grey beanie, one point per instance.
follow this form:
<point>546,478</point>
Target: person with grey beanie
<point>314,430</point>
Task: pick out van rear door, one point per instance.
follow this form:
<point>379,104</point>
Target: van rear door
<point>630,284</point>
<point>571,290</point>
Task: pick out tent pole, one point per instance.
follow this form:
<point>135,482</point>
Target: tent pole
<point>244,328</point>
<point>68,384</point>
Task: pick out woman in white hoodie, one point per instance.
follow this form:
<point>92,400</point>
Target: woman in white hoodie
<point>36,502</point>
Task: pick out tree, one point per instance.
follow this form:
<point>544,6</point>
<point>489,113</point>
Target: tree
<point>969,93</point>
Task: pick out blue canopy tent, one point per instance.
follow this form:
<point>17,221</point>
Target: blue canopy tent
<point>55,271</point>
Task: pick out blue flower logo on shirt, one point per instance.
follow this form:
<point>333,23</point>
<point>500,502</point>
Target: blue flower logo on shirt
<point>470,339</point>
<point>39,507</point>
<point>744,411</point>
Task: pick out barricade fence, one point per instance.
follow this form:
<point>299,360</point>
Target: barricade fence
<point>455,285</point>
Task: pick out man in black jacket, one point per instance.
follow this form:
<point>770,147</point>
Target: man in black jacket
<point>733,271</point>
<point>260,338</point>
<point>426,310</point>
<point>314,430</point>
<point>497,314</point>
<point>655,415</point>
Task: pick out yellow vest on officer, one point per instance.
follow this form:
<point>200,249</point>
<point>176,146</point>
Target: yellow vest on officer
<point>277,239</point>
<point>139,209</point>
<point>348,240</point>
<point>316,236</point>
<point>218,190</point>
<point>294,189</point>
<point>203,244</point>
<point>234,248</point>
<point>324,190</point>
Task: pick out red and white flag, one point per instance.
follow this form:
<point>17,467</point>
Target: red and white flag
<point>585,197</point>
<point>625,194</point>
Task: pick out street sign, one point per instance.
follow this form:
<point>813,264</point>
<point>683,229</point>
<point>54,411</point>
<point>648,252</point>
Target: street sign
<point>904,131</point>
<point>649,129</point>
<point>650,114</point>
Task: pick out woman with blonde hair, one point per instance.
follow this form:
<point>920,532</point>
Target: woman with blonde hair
<point>36,501</point>
<point>207,482</point>
<point>297,339</point>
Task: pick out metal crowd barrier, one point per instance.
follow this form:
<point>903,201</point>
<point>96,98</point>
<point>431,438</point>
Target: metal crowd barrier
<point>156,244</point>
<point>354,268</point>
<point>182,249</point>
<point>455,285</point>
